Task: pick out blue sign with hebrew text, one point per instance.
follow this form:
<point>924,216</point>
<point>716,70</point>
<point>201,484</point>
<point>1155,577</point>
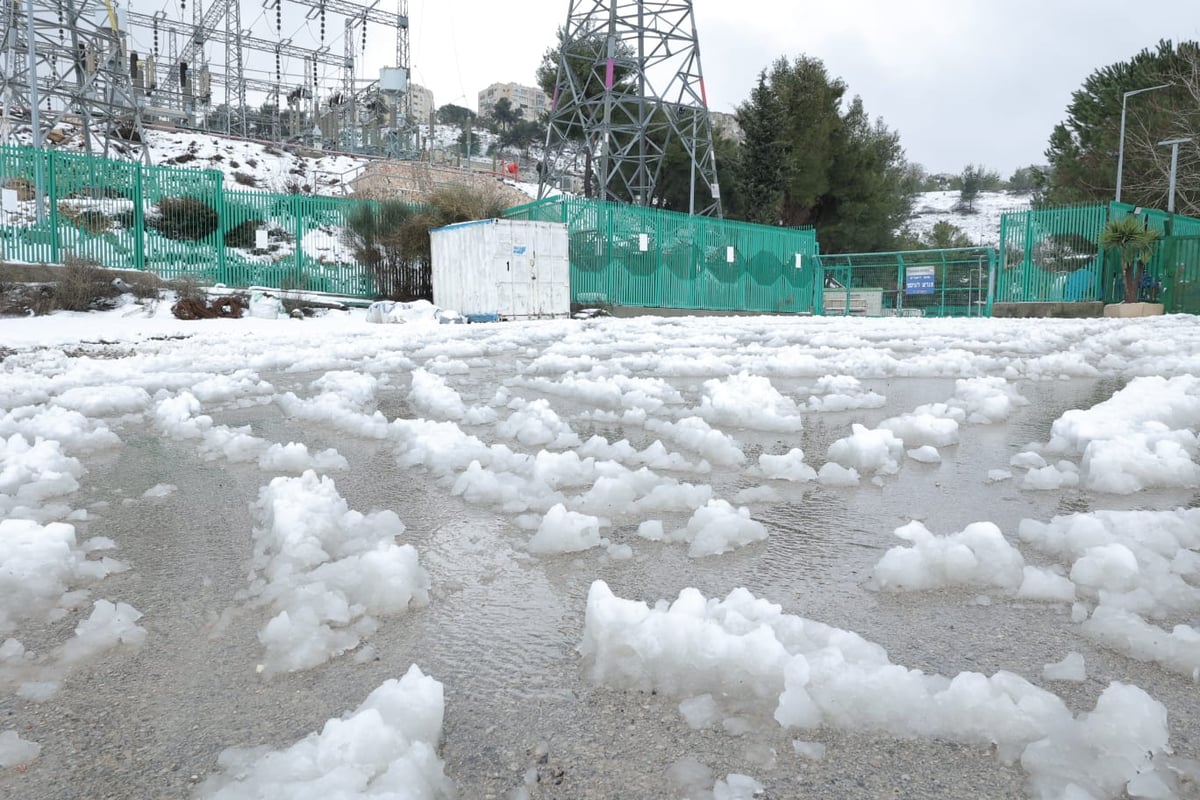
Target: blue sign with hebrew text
<point>919,280</point>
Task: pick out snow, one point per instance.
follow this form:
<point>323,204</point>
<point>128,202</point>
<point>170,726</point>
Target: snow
<point>982,227</point>
<point>603,448</point>
<point>326,570</point>
<point>387,747</point>
<point>815,675</point>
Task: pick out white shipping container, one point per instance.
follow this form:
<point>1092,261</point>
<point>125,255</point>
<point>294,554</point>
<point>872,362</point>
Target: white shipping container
<point>514,269</point>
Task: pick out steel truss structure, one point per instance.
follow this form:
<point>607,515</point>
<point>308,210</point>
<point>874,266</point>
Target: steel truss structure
<point>114,71</point>
<point>629,83</point>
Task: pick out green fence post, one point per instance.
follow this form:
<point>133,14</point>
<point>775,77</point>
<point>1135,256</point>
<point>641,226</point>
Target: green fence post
<point>993,260</point>
<point>139,220</point>
<point>219,242</point>
<point>297,211</point>
<point>940,282</point>
<point>52,198</point>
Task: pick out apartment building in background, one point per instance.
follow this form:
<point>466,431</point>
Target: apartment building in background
<point>531,100</point>
<point>422,103</point>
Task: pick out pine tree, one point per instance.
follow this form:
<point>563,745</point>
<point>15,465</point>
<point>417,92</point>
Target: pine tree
<point>1083,150</point>
<point>840,171</point>
<point>760,177</point>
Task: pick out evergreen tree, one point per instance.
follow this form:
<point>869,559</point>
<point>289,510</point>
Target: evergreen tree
<point>840,171</point>
<point>1083,150</point>
<point>450,114</point>
<point>504,116</point>
<point>1023,180</point>
<point>760,178</point>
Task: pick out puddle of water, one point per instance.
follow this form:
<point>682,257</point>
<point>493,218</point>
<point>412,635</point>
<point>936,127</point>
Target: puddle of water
<point>502,628</point>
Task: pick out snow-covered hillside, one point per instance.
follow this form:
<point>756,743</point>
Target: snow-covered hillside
<point>250,164</point>
<point>983,226</point>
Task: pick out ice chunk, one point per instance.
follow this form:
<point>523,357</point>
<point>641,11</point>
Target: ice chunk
<point>700,711</point>
<point>979,555</point>
<point>563,531</point>
<point>14,750</point>
<point>387,747</point>
<point>737,787</point>
<point>1071,668</point>
<point>868,451</point>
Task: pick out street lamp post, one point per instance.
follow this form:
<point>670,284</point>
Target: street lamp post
<point>1174,144</point>
<point>1121,146</point>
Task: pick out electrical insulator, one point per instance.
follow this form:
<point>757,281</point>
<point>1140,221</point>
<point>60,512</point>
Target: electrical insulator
<point>156,36</point>
<point>151,73</point>
<point>183,74</point>
<point>133,65</point>
<point>204,82</point>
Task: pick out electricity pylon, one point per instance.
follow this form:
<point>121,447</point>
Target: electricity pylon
<point>628,84</point>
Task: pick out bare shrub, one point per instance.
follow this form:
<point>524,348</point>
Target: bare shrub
<point>460,203</point>
<point>23,187</point>
<point>84,286</point>
<point>187,287</point>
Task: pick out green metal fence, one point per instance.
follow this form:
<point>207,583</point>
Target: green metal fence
<point>643,257</point>
<point>1054,255</point>
<point>1175,275</point>
<point>932,283</point>
<point>176,222</point>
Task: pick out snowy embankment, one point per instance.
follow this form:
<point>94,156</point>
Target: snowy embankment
<point>981,223</point>
<point>711,414</point>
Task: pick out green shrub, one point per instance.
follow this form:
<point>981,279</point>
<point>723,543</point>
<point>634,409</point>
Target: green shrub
<point>185,218</point>
<point>243,235</point>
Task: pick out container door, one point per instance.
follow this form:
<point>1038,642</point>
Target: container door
<point>555,273</point>
<point>523,277</point>
<point>502,269</point>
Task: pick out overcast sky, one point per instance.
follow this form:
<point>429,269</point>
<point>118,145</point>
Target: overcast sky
<point>963,81</point>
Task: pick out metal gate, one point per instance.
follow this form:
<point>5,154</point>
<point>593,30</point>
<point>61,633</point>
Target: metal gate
<point>933,283</point>
<point>1178,272</point>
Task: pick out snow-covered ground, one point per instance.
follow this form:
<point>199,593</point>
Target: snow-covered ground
<point>982,226</point>
<point>686,557</point>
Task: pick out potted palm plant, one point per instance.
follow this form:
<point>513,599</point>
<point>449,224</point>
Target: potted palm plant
<point>1133,240</point>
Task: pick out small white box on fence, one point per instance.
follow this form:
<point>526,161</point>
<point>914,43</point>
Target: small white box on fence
<point>8,201</point>
<point>799,260</point>
<point>515,269</point>
<point>643,242</point>
<point>729,256</point>
<point>260,239</point>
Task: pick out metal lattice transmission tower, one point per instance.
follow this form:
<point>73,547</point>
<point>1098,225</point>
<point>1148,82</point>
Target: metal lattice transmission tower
<point>111,70</point>
<point>76,54</point>
<point>629,82</point>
